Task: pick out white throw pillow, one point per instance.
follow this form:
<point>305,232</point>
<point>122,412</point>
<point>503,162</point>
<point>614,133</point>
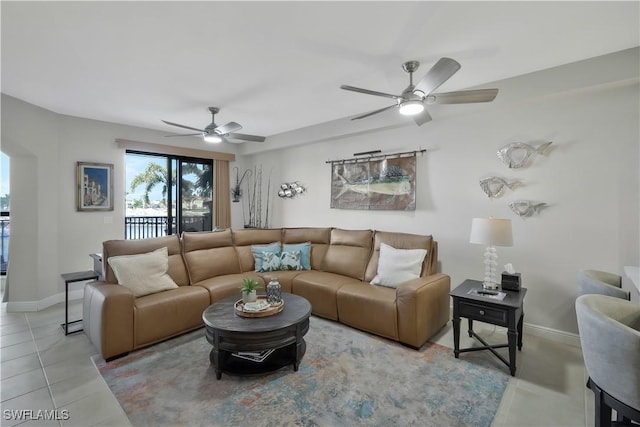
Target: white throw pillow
<point>396,266</point>
<point>144,274</point>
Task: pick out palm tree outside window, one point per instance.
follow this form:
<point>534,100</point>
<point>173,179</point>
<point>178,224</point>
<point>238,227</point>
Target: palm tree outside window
<point>167,195</point>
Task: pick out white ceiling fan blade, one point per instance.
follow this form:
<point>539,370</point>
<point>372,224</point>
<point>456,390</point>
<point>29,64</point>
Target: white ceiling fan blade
<point>245,137</point>
<point>369,92</point>
<point>371,113</point>
<point>182,126</point>
<point>227,128</point>
<point>438,74</point>
<point>463,96</point>
<point>184,134</point>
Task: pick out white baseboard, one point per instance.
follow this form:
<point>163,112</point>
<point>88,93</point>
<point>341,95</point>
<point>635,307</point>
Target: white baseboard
<point>22,306</point>
<point>552,334</point>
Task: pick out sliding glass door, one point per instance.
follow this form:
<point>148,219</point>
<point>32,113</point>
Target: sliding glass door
<point>195,196</point>
<point>167,195</point>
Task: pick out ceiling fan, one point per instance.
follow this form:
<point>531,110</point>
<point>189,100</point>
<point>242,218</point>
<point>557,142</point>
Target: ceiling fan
<point>215,133</point>
<point>413,99</point>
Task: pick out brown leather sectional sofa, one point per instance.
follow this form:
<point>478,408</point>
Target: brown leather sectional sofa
<point>210,266</point>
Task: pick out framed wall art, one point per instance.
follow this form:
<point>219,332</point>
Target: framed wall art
<point>374,184</point>
<point>94,186</point>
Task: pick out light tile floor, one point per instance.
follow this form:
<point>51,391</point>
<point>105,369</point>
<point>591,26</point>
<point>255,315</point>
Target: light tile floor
<point>41,369</point>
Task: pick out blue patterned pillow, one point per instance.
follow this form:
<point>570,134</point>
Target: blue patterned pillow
<point>290,260</point>
<point>270,262</point>
<point>258,250</point>
<point>305,256</point>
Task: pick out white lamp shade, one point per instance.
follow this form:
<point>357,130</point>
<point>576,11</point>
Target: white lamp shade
<point>491,231</point>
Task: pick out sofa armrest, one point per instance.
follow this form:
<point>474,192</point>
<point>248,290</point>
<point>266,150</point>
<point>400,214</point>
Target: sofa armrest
<point>423,308</point>
<point>108,318</point>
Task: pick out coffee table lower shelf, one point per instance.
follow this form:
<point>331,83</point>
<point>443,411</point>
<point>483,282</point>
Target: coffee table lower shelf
<point>280,358</point>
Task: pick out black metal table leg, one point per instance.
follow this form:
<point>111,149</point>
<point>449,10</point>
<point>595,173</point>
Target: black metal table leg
<point>79,276</point>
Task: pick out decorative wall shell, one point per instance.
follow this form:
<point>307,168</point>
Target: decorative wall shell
<point>518,154</point>
<point>526,208</point>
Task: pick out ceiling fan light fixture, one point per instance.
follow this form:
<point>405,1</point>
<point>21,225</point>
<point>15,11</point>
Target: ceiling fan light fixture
<point>411,107</point>
<point>212,138</point>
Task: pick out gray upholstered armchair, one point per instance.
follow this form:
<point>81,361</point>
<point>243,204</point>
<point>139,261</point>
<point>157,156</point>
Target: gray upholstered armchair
<point>601,282</point>
<point>610,337</point>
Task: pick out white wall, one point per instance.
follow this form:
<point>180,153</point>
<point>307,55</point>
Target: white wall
<point>48,235</point>
<point>589,179</point>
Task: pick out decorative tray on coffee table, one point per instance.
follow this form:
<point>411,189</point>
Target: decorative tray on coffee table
<point>260,308</point>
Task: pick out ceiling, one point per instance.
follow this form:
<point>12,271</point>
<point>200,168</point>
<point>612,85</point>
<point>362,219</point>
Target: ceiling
<point>277,66</point>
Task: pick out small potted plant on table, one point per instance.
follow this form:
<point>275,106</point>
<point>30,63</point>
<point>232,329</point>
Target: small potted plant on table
<point>249,286</point>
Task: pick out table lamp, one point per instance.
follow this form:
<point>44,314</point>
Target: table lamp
<point>491,232</point>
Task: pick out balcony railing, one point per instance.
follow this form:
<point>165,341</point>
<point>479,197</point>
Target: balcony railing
<point>144,227</point>
<point>4,243</point>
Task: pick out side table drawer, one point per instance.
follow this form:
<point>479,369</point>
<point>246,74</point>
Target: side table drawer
<point>482,313</point>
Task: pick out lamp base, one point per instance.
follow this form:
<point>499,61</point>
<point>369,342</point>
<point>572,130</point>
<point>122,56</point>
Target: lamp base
<point>490,285</point>
<point>490,264</point>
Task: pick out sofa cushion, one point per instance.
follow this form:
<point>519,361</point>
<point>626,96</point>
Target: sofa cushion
<point>284,277</point>
<point>259,252</point>
<point>270,262</point>
<point>209,254</point>
<point>307,234</point>
<point>201,264</point>
<point>144,274</point>
<point>399,241</point>
<point>397,266</point>
<point>162,315</point>
<point>194,241</point>
<point>348,252</point>
<point>244,238</point>
<point>369,308</point>
<point>256,236</point>
<point>305,254</point>
<point>291,260</point>
<point>273,261</point>
<point>228,285</point>
<point>320,289</point>
<point>319,238</point>
<point>177,269</point>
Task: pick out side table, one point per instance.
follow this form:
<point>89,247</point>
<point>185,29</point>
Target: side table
<point>508,312</point>
<point>78,276</point>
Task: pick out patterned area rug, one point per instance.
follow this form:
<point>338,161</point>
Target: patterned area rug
<point>346,378</point>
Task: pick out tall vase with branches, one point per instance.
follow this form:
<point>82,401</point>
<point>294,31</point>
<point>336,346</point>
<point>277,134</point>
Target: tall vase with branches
<point>254,200</point>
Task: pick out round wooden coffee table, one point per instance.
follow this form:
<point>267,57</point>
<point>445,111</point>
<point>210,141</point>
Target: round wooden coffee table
<point>239,343</point>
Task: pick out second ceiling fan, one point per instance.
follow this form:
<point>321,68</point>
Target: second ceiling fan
<point>414,97</point>
<point>215,133</point>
